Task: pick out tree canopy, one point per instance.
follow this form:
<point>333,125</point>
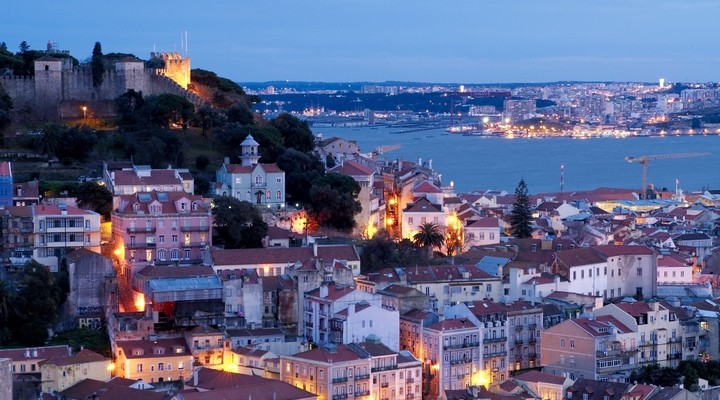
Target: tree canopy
<point>429,236</point>
<point>97,65</point>
<point>94,196</point>
<point>521,214</point>
<point>239,224</point>
<point>333,201</point>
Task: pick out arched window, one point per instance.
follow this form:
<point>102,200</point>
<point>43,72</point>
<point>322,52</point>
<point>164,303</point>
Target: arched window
<point>279,195</point>
<point>47,68</point>
<point>268,195</point>
<point>174,254</point>
<point>162,254</point>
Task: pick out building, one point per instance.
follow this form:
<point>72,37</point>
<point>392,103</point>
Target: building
<point>153,360</point>
<point>210,384</point>
<point>368,220</point>
<point>24,365</point>
<point>252,181</point>
<point>209,346</point>
<point>361,370</point>
<point>92,282</point>
<point>116,388</point>
<point>544,386</point>
<point>515,110</point>
<point>18,238</point>
<point>160,228</point>
<point>124,178</point>
<point>59,373</point>
<point>6,379</point>
<point>6,184</point>
<point>600,348</point>
<point>354,324</point>
<point>481,232</point>
<point>421,212</point>
<point>525,323</point>
<point>59,229</point>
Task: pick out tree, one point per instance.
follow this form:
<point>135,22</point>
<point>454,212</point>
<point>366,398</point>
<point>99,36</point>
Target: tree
<point>296,134</point>
<point>24,47</point>
<point>240,114</point>
<point>6,301</point>
<point>202,186</point>
<point>330,161</point>
<point>429,236</point>
<point>50,140</point>
<point>208,117</point>
<point>96,197</point>
<point>201,162</point>
<point>239,224</point>
<point>37,304</point>
<point>167,108</point>
<point>333,201</point>
<point>379,252</point>
<point>521,214</point>
<point>301,170</point>
<point>97,65</point>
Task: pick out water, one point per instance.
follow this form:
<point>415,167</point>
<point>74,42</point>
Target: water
<point>479,163</point>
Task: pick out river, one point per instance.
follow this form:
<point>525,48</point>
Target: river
<point>480,163</point>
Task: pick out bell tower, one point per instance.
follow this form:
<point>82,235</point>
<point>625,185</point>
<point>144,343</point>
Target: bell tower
<point>249,154</point>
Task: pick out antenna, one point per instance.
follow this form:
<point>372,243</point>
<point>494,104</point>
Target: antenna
<point>186,44</point>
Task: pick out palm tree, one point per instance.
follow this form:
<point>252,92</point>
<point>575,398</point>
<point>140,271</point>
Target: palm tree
<point>428,236</point>
<point>49,141</point>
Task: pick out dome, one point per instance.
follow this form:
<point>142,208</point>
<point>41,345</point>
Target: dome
<point>249,141</point>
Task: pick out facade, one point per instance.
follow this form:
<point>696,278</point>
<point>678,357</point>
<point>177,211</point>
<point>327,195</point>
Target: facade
<point>59,373</point>
<point>209,346</point>
<point>359,370</point>
<point>92,281</point>
<point>160,228</point>
<point>251,181</point>
<point>127,179</point>
<point>482,232</point>
<point>59,229</point>
<point>421,212</point>
<point>18,238</point>
<point>6,184</point>
<point>592,348</point>
<point>322,304</point>
<point>673,270</point>
<point>354,324</point>
<point>153,361</point>
<point>525,323</point>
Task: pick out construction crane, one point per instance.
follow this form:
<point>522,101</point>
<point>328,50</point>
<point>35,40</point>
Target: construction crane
<point>644,160</point>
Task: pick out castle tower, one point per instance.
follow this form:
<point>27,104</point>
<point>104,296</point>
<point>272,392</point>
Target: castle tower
<point>48,83</point>
<point>177,68</point>
<point>249,154</point>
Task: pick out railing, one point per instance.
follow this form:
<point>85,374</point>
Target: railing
<point>340,379</point>
<point>497,353</point>
<point>258,185</point>
<point>461,361</point>
<point>340,396</point>
<point>496,339</point>
<point>362,377</point>
<point>384,384</point>
<point>460,345</point>
<point>532,327</point>
<point>194,228</point>
<point>518,328</point>
<point>518,341</point>
<point>532,339</point>
<point>365,392</point>
<point>385,368</point>
<point>675,356</point>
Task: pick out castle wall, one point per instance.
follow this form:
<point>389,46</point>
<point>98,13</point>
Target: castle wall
<point>20,88</point>
<point>48,88</point>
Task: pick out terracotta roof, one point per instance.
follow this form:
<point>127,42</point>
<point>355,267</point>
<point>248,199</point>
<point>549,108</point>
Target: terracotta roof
<point>238,169</point>
<point>335,292</point>
<point>29,189</point>
<point>375,349</point>
<point>272,390</point>
<point>416,315</point>
<point>270,168</point>
<point>108,391</point>
<point>84,356</point>
<point>359,307</point>
<point>147,347</point>
<point>422,205</point>
<point>578,257</point>
<point>157,177</point>
<point>352,168</point>
<point>671,261</point>
<point>20,211</point>
<point>56,210</point>
<point>586,389</point>
<point>609,250</point>
<point>636,309</point>
<point>275,232</point>
<point>320,354</point>
<point>5,169</point>
<point>35,353</point>
<point>250,352</point>
<point>485,223</point>
<point>537,376</point>
<point>453,324</point>
<point>168,200</point>
<point>426,187</point>
<point>436,273</point>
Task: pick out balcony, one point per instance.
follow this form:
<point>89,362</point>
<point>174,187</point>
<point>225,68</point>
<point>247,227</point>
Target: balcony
<point>384,384</point>
<point>361,393</point>
<point>340,379</point>
<point>532,327</point>
<point>495,340</point>
<point>675,356</point>
<point>461,361</point>
<point>194,228</point>
<point>385,368</point>
<point>147,229</point>
<point>499,353</point>
<point>518,341</point>
<point>410,380</point>
<point>518,328</point>
<point>674,339</point>
<point>362,377</point>
<point>258,185</point>
<point>340,396</point>
<point>532,339</point>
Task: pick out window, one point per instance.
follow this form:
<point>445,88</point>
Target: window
<point>174,238</point>
<point>187,239</point>
<point>639,271</point>
<point>562,343</point>
<point>410,220</point>
<point>492,236</point>
<point>139,367</point>
<point>278,195</point>
<point>174,254</point>
<point>572,344</point>
<point>162,254</point>
<point>181,364</point>
<point>161,238</point>
<point>268,195</point>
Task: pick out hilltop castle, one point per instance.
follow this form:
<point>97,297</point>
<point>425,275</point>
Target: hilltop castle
<point>60,89</point>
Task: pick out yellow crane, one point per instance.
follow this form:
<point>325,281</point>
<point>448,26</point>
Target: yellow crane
<point>644,160</point>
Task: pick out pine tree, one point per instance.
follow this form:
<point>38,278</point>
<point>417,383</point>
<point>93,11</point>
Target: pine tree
<point>521,215</point>
<point>96,65</point>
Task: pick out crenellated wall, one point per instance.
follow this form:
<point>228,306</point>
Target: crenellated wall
<point>60,89</point>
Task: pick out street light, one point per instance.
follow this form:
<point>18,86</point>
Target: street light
<point>84,108</point>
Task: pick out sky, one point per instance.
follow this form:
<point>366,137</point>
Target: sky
<point>463,41</point>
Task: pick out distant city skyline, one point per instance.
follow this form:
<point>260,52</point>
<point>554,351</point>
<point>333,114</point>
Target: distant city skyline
<point>371,40</point>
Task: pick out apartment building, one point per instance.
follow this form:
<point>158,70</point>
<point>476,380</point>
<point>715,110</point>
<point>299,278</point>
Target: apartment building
<point>591,348</point>
<point>59,373</point>
<point>125,178</point>
<point>160,228</point>
<point>525,323</point>
<point>59,229</point>
<point>153,360</point>
<point>366,370</point>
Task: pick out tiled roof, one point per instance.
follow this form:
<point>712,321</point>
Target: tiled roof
<point>157,177</point>
<point>485,223</point>
<point>436,273</point>
<point>148,347</point>
<point>238,169</point>
<point>320,354</point>
<point>52,210</point>
<point>84,356</point>
<point>426,187</point>
<point>352,168</point>
<point>422,205</point>
<point>671,261</point>
<point>578,257</point>
<point>29,189</point>
<point>168,200</point>
<point>223,385</point>
<point>453,324</point>
<point>537,376</point>
<point>270,168</point>
<point>636,309</point>
<point>108,391</point>
<point>609,250</point>
<point>335,292</point>
<point>275,232</point>
<point>586,389</point>
<point>35,353</point>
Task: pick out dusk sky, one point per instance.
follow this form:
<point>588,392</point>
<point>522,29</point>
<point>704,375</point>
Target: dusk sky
<point>469,41</point>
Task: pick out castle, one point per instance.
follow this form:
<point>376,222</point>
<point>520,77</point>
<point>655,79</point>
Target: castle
<point>62,90</point>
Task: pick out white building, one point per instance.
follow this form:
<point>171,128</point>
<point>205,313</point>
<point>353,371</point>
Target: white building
<point>59,229</point>
<point>355,324</point>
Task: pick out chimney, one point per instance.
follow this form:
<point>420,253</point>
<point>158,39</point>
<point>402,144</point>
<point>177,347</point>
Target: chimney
<point>499,271</point>
<point>429,163</point>
<point>315,249</point>
<point>195,377</point>
<point>226,160</point>
<point>323,290</point>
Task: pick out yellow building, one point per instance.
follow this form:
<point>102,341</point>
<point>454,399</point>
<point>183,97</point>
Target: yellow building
<point>153,360</point>
<point>59,373</point>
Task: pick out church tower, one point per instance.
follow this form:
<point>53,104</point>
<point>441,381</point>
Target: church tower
<point>249,154</point>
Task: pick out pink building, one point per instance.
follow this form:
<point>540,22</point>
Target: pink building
<point>160,227</point>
